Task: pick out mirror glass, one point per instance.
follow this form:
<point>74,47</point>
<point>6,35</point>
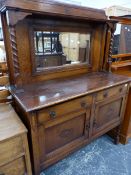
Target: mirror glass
<point>53,49</point>
<point>122,39</point>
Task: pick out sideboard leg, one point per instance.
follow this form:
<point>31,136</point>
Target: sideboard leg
<point>117,135</point>
<point>123,139</point>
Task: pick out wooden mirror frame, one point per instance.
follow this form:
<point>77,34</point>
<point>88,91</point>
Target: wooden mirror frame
<point>61,27</point>
<point>47,25</point>
<point>16,21</point>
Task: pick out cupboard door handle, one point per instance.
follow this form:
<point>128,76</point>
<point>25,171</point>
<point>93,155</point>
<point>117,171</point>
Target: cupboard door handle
<point>88,126</point>
<point>52,114</point>
<point>84,105</point>
<point>94,123</point>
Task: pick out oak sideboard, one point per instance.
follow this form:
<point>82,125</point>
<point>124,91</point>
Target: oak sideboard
<point>59,59</point>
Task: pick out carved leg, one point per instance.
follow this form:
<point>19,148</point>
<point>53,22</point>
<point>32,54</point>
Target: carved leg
<point>117,135</point>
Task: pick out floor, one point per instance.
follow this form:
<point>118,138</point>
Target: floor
<point>101,157</point>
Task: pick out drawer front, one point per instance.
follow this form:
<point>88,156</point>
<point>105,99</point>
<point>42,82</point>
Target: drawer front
<point>118,90</point>
<point>64,108</point>
<point>10,149</point>
<point>16,167</point>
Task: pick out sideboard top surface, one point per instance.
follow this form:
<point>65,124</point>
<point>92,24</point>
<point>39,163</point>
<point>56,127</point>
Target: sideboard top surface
<point>53,8</point>
<point>42,94</point>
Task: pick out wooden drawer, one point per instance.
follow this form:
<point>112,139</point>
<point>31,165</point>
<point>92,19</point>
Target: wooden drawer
<point>117,90</point>
<point>10,149</point>
<point>17,167</point>
<point>64,108</point>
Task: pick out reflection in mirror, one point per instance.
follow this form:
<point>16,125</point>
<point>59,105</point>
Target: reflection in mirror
<point>122,39</point>
<point>54,49</point>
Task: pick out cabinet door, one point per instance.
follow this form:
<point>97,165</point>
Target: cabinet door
<point>60,136</point>
<point>108,114</point>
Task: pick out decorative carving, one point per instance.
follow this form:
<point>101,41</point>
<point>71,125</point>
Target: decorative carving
<point>66,133</point>
<point>110,51</point>
<point>112,29</point>
<point>14,51</point>
<point>109,44</point>
<point>110,112</point>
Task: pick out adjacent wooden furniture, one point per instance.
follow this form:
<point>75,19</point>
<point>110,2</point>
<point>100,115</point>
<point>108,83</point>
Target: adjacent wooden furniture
<point>4,92</point>
<point>63,107</point>
<point>122,36</point>
<point>3,68</point>
<point>122,66</point>
<point>14,151</point>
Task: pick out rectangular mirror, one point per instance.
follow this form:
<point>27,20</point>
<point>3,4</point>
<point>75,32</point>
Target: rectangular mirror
<point>54,49</point>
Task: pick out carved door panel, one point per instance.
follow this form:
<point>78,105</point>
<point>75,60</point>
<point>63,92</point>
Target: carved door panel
<point>61,135</point>
<point>107,115</point>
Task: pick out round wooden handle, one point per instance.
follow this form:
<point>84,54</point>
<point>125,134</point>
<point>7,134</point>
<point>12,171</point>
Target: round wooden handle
<point>120,90</point>
<point>84,104</point>
<point>52,114</point>
<point>105,94</point>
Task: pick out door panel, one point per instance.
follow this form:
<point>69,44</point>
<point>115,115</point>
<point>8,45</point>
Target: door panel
<point>107,113</point>
<point>63,133</point>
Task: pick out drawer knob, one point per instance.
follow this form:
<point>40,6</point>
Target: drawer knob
<point>52,114</point>
<point>120,90</point>
<point>105,94</point>
<point>84,104</point>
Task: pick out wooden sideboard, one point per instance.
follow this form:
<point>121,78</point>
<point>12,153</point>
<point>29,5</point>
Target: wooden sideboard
<point>64,107</point>
<point>63,115</point>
